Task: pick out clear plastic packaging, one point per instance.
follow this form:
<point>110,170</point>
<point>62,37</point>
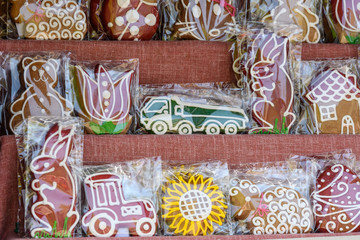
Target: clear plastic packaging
<point>200,20</point>
<point>307,15</point>
<point>3,18</point>
<point>49,19</point>
<point>3,96</point>
<point>191,108</point>
<point>195,199</point>
<point>124,20</point>
<point>270,198</point>
<point>269,70</point>
<point>49,150</point>
<point>330,97</point>
<point>343,19</point>
<point>37,84</point>
<point>104,94</point>
<point>121,199</point>
<point>335,187</point>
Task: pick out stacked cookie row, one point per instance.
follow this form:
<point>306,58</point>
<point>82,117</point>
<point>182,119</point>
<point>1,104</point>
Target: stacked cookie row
<point>172,19</point>
<point>147,197</point>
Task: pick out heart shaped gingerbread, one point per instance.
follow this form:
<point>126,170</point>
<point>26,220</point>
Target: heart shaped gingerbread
<point>275,210</point>
<point>337,200</point>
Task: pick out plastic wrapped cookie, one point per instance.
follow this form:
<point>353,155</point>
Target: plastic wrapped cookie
<point>205,20</point>
<point>49,19</point>
<point>125,19</point>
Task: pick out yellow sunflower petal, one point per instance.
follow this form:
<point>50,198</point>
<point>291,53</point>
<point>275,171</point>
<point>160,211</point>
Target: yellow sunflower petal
<point>214,195</point>
<point>179,187</point>
<point>188,227</point>
<point>172,213</point>
<point>217,210</point>
<point>215,218</point>
<point>211,188</point>
<point>197,228</point>
<point>171,200</point>
<point>209,226</point>
<point>169,207</point>
<point>180,226</point>
<point>175,222</point>
<point>174,193</point>
<point>205,184</point>
<point>192,182</point>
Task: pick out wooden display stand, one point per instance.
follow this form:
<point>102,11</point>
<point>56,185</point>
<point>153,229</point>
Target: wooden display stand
<point>174,62</point>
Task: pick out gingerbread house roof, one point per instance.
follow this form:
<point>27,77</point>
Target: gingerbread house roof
<point>333,86</point>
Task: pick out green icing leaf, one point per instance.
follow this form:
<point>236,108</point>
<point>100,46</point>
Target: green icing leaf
<point>353,40</point>
<point>97,129</point>
<point>283,130</point>
<point>108,128</point>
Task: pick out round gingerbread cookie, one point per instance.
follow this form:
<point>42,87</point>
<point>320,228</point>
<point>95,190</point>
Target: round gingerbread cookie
<point>130,19</point>
<point>281,210</point>
<point>244,196</point>
<point>336,200</point>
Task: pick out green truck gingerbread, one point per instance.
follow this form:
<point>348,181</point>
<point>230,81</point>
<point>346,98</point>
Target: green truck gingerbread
<point>169,114</point>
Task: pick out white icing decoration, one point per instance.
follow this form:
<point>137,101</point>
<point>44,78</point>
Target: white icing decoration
<point>261,89</point>
<point>110,24</point>
<point>106,103</point>
<point>40,189</point>
<point>196,11</point>
<point>217,9</point>
<point>350,26</point>
<point>119,21</point>
<point>123,3</point>
<point>291,213</point>
<point>106,94</point>
<point>195,199</point>
<point>134,30</point>
<point>113,114</point>
<point>132,16</point>
<point>59,17</point>
<point>338,88</point>
<point>343,210</point>
<point>150,19</point>
<point>161,122</point>
<point>116,212</point>
<point>55,97</point>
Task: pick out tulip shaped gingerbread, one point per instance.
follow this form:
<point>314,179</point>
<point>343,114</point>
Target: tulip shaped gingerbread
<point>40,98</point>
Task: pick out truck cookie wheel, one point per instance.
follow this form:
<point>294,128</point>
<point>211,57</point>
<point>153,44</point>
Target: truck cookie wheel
<point>185,129</point>
<point>212,129</point>
<point>145,227</point>
<point>102,225</point>
<point>230,129</point>
<point>159,128</point>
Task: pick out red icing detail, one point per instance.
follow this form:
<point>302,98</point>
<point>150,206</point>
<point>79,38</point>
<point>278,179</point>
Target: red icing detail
<point>105,196</point>
<point>336,198</point>
<point>56,186</point>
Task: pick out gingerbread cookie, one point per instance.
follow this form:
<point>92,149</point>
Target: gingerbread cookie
<point>40,97</point>
<point>54,208</point>
<point>49,19</point>
<point>126,19</point>
<point>193,205</point>
<point>336,202</point>
<point>271,83</point>
<point>108,210</point>
<point>334,97</point>
<point>104,103</point>
<point>298,13</point>
<point>205,20</point>
<point>3,18</point>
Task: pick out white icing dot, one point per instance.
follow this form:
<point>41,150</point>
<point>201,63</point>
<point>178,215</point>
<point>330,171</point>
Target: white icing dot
<point>196,11</point>
<point>347,227</point>
<point>102,225</point>
<point>106,103</point>
<point>351,214</point>
<point>110,24</point>
<point>136,39</point>
<point>330,200</point>
<point>248,199</point>
<point>106,110</point>
<point>103,74</point>
<point>41,100</point>
<point>347,170</point>
<point>150,19</point>
<point>46,165</point>
<point>352,223</point>
<point>341,229</point>
<point>332,208</point>
<point>349,202</point>
<point>322,180</point>
<point>217,9</point>
<point>266,70</point>
<point>326,209</point>
<point>346,177</point>
<point>334,218</point>
<point>319,186</point>
<point>104,83</point>
<point>342,202</point>
<point>123,3</point>
<point>354,188</point>
<point>43,111</point>
<point>146,227</point>
<point>328,174</point>
<point>357,183</point>
<point>320,221</point>
<point>134,30</point>
<point>358,6</point>
<point>132,16</point>
<point>336,201</point>
<point>119,21</point>
<point>348,197</point>
<point>354,176</point>
<point>331,190</point>
<point>106,94</point>
<point>354,202</point>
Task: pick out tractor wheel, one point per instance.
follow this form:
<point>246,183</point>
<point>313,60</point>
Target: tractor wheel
<point>159,128</point>
<point>146,227</point>
<point>102,225</point>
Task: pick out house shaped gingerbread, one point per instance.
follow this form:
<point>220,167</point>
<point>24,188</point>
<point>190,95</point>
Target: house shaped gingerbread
<point>335,98</point>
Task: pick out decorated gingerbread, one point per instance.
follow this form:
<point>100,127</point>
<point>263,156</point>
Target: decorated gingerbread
<point>336,204</point>
<point>193,205</point>
<point>271,83</point>
<point>205,20</point>
<point>125,19</point>
<point>104,103</point>
<point>40,97</point>
<point>274,210</point>
<point>334,97</point>
<point>108,210</point>
<point>49,19</point>
<point>298,13</point>
<point>54,208</point>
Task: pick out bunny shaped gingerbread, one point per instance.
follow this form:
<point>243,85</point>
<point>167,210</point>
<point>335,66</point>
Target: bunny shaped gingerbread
<point>271,84</point>
<point>55,186</point>
<point>40,98</point>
